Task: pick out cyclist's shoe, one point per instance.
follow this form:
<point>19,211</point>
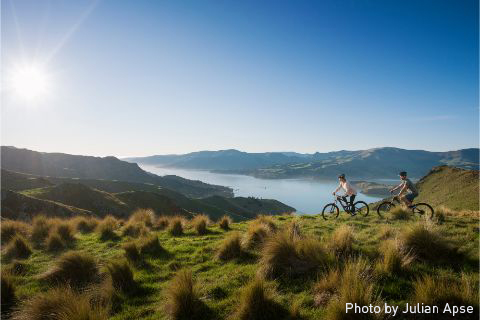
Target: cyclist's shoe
<point>411,207</point>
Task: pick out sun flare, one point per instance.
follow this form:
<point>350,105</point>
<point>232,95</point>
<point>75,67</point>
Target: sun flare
<point>30,82</point>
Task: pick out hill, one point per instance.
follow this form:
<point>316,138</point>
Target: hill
<point>107,168</point>
<point>455,188</point>
<point>347,259</point>
<point>362,164</point>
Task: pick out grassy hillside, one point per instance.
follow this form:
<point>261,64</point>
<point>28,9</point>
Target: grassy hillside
<point>306,268</point>
<point>451,187</point>
<point>108,168</point>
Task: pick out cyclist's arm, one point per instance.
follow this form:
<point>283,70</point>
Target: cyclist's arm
<point>400,185</point>
<point>336,190</point>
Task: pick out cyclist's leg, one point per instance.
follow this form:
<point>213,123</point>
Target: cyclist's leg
<point>344,198</point>
<point>352,199</point>
<point>409,199</point>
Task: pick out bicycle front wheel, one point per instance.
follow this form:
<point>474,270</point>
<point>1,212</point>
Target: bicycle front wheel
<point>423,209</point>
<point>384,208</point>
<point>330,211</point>
<point>361,208</point>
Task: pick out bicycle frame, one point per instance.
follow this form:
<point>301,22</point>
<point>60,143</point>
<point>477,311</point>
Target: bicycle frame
<point>339,199</point>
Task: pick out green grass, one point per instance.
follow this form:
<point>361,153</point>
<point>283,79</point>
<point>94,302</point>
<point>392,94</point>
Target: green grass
<point>220,283</point>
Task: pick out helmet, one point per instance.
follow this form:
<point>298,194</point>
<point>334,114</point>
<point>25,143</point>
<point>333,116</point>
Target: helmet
<point>403,174</point>
<point>342,176</point>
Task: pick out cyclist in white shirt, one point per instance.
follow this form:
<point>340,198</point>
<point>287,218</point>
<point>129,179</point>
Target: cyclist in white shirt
<point>349,190</point>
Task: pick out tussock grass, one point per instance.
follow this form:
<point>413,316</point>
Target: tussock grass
<point>65,231</point>
<point>327,287</point>
<point>294,229</point>
<point>394,258</point>
<point>427,244</point>
<point>17,268</point>
<point>10,228</point>
<point>60,304</point>
<point>54,242</point>
<point>354,284</point>
<point>73,268</point>
<point>386,232</point>
<point>230,248</point>
<point>135,229</point>
<point>341,240</point>
<point>441,289</point>
<point>267,221</point>
<point>255,236</point>
<point>258,301</point>
<point>41,226</point>
<point>106,228</point>
<point>8,298</point>
<point>18,248</point>
<point>131,251</point>
<point>284,256</point>
<point>151,246</point>
<point>122,276</point>
<point>400,213</point>
<point>85,224</point>
<point>225,222</point>
<point>200,223</point>
<point>145,216</point>
<point>161,223</point>
<point>175,227</point>
<point>183,298</point>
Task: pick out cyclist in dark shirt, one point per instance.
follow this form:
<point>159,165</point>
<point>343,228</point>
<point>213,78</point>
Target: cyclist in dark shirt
<point>407,187</point>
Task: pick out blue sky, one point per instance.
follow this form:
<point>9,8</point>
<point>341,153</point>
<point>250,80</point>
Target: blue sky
<point>153,77</point>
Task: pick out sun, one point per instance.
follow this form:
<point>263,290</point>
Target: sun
<point>30,82</point>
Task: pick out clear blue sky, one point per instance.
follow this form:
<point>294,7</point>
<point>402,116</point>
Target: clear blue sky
<point>153,77</point>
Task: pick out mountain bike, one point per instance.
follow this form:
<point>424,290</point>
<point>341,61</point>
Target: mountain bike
<point>331,210</point>
<point>420,208</point>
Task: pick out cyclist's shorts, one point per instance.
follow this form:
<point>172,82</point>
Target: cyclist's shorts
<point>411,196</point>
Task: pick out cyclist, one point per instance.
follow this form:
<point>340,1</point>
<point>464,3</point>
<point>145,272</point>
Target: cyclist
<point>406,186</point>
<point>349,191</point>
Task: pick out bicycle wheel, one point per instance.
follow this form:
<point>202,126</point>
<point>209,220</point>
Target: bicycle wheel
<point>385,208</point>
<point>361,208</point>
<point>330,211</point>
<point>423,209</point>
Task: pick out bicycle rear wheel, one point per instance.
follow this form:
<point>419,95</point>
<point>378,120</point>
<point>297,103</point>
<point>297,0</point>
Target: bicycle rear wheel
<point>330,211</point>
<point>361,208</point>
<point>423,209</point>
<point>384,208</point>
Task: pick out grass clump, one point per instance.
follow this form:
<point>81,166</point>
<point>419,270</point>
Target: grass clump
<point>10,228</point>
<point>257,301</point>
<point>176,227</point>
<point>151,246</point>
<point>400,213</point>
<point>294,230</point>
<point>73,268</point>
<point>54,242</point>
<point>386,232</point>
<point>284,256</point>
<point>85,224</point>
<point>353,284</point>
<point>134,229</point>
<point>8,299</point>
<point>61,304</point>
<point>394,259</point>
<point>18,248</point>
<point>161,223</point>
<point>40,229</point>
<point>255,236</point>
<point>144,216</point>
<point>131,251</point>
<point>267,221</point>
<point>17,268</point>
<point>341,241</point>
<point>225,222</point>
<point>200,223</point>
<point>230,248</point>
<point>427,244</point>
<point>106,228</point>
<point>122,276</point>
<point>65,231</point>
<point>440,289</point>
<point>183,298</point>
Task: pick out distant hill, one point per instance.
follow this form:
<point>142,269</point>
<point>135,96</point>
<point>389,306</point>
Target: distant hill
<point>455,188</point>
<point>68,196</point>
<point>362,164</point>
<point>107,168</point>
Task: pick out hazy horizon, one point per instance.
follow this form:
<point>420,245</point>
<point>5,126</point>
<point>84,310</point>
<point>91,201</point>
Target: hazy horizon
<point>138,78</point>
